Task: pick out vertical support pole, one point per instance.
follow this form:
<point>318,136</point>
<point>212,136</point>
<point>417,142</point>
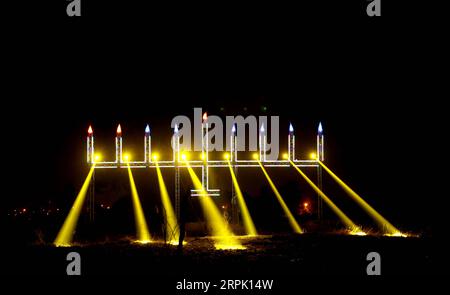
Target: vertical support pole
<point>235,206</point>
<point>291,143</point>
<point>88,149</point>
<point>262,143</point>
<point>119,145</point>
<point>177,193</point>
<point>320,157</point>
<point>90,146</point>
<point>233,156</point>
<point>147,145</point>
<point>205,140</point>
<point>90,160</point>
<point>180,217</point>
<point>92,199</point>
<point>319,199</point>
<point>176,160</point>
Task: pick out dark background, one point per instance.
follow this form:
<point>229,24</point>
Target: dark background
<point>375,83</point>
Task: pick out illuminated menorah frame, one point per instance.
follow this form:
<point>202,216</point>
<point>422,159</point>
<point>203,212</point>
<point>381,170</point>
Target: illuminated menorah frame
<point>205,163</point>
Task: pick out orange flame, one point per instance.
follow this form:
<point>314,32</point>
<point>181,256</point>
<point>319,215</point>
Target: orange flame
<point>205,117</point>
<point>119,130</point>
<point>90,131</point>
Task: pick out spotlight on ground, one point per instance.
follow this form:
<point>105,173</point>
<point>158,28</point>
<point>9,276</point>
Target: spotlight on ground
<point>356,232</point>
<point>143,235</point>
<point>65,234</point>
<point>224,238</point>
<point>172,230</point>
<point>248,222</point>
<point>353,228</point>
<point>295,226</point>
<point>397,234</point>
<point>385,225</point>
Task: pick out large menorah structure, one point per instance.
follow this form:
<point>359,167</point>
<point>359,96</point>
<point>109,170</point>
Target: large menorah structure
<point>180,161</point>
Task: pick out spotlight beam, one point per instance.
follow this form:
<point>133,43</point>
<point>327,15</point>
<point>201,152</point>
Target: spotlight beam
<point>219,228</point>
<point>143,234</point>
<point>347,221</point>
<point>248,222</point>
<point>172,229</point>
<point>295,226</point>
<point>382,222</point>
<point>65,234</point>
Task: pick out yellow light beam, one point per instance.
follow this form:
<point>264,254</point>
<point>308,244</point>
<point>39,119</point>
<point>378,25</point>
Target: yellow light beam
<point>382,222</point>
<point>248,222</point>
<point>143,234</point>
<point>347,221</point>
<point>65,234</point>
<point>172,230</point>
<point>295,226</point>
<point>219,228</point>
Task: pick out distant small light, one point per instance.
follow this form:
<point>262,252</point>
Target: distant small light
<point>313,156</point>
<point>255,156</point>
<point>262,128</point>
<point>291,128</point>
<point>285,156</point>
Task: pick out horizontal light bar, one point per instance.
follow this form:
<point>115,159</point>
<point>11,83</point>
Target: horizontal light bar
<point>100,166</point>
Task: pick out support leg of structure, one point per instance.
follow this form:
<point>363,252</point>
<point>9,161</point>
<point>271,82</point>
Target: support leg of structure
<point>91,203</point>
<point>234,203</point>
<point>319,199</point>
<point>179,214</point>
<point>177,193</point>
